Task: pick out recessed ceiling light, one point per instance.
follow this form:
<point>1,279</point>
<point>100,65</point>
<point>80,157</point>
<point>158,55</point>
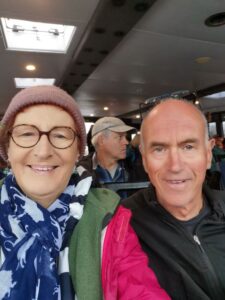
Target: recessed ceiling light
<point>196,102</point>
<point>138,116</point>
<point>28,82</point>
<point>30,67</point>
<point>91,115</point>
<point>106,108</point>
<point>21,35</point>
<point>202,59</point>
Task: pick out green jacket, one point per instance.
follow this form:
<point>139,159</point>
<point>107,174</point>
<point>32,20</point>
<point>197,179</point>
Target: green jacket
<point>85,244</point>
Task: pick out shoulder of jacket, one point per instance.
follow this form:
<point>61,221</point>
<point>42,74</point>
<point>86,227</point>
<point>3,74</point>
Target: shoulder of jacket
<point>1,182</point>
<point>87,159</point>
<point>134,200</point>
<point>103,199</point>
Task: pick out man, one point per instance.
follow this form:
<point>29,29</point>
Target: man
<point>108,163</point>
<point>179,221</point>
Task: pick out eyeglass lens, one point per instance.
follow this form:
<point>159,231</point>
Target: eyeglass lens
<point>28,136</point>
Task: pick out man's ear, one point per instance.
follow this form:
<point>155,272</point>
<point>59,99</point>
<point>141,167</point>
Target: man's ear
<point>211,144</point>
<point>143,158</point>
<point>101,139</point>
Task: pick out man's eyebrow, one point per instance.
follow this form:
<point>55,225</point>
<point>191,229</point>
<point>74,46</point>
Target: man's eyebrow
<point>157,144</point>
<point>189,141</point>
<point>164,144</point>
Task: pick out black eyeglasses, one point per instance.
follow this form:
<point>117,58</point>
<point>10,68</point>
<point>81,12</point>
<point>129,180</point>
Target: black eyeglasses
<point>27,136</point>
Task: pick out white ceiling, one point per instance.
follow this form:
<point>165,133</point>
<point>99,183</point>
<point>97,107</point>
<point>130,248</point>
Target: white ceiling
<point>157,56</point>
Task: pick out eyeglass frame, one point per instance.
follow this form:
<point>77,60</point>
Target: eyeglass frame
<point>41,132</point>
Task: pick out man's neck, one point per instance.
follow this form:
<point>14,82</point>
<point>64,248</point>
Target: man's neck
<point>185,213</point>
<point>107,163</point>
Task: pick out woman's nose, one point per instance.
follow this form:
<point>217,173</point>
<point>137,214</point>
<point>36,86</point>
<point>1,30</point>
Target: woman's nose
<point>43,148</point>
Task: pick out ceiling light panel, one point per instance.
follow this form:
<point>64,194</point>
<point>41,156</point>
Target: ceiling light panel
<point>28,82</point>
<point>22,35</point>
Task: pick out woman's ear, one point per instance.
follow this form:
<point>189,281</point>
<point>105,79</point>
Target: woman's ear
<point>77,157</point>
<point>8,159</point>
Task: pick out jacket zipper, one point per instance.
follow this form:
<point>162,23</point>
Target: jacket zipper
<point>214,282</point>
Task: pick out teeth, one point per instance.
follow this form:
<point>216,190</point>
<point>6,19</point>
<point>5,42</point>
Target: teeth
<point>43,168</point>
<point>177,181</point>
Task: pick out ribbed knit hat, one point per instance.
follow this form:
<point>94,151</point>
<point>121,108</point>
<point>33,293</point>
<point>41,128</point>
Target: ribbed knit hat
<point>44,95</point>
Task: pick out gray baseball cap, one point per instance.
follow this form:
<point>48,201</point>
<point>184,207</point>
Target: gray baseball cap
<point>111,123</point>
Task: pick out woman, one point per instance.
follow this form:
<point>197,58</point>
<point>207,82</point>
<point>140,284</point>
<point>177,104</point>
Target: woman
<point>51,222</point>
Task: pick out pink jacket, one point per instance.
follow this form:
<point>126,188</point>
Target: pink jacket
<point>125,271</point>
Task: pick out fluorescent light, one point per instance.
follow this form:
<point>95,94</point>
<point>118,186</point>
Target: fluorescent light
<point>28,82</point>
<point>216,95</point>
<point>23,35</point>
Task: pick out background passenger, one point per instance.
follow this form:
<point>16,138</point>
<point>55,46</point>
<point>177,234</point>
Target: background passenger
<point>108,163</point>
<point>216,174</point>
<point>51,222</point>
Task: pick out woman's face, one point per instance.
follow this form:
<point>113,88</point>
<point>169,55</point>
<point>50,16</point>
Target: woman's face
<point>43,172</point>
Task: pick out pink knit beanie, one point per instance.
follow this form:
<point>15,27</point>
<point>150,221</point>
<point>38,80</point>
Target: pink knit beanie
<point>44,95</point>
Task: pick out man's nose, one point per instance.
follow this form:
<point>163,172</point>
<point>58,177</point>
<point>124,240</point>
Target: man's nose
<point>175,162</point>
<point>124,140</point>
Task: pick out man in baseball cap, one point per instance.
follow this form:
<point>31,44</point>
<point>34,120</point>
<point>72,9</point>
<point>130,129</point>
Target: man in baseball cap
<point>108,163</point>
<point>112,124</point>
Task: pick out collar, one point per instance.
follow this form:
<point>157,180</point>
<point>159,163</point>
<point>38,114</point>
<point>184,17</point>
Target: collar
<point>94,161</point>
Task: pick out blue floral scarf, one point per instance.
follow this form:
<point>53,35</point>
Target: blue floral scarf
<point>34,241</point>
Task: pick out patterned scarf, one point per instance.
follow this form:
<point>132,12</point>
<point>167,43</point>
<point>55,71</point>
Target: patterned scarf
<point>34,241</point>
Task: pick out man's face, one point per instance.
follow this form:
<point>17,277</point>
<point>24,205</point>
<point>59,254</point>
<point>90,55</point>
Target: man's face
<point>114,145</point>
<point>175,156</point>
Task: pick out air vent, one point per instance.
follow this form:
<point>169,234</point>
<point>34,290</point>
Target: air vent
<point>141,7</point>
<point>119,33</point>
<point>216,20</point>
<point>99,30</point>
<point>88,49</point>
<point>104,52</point>
<point>118,2</point>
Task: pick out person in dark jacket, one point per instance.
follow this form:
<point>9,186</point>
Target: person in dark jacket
<point>109,163</point>
<point>180,222</point>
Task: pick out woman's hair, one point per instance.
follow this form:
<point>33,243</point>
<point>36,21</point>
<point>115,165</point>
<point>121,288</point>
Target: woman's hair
<point>4,138</point>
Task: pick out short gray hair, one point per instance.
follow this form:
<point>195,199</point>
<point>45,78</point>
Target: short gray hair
<point>94,140</point>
